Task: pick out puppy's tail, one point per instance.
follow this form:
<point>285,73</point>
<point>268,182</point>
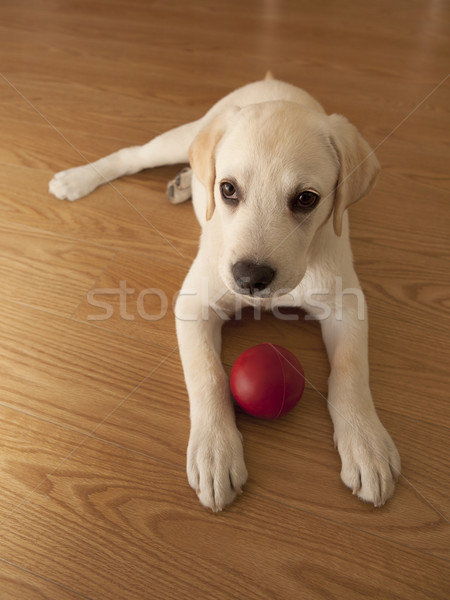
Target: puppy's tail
<point>269,75</point>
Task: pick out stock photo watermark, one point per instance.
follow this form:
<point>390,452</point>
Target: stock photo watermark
<point>123,301</point>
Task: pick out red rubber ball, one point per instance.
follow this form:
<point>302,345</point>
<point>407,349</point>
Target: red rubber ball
<point>267,381</point>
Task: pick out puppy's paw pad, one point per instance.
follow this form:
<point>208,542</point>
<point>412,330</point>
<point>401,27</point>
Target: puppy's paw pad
<point>179,188</point>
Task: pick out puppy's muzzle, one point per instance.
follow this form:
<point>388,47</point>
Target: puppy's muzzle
<point>252,278</point>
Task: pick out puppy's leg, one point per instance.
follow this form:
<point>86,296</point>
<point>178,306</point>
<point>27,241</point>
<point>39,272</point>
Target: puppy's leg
<point>370,461</point>
<point>215,458</point>
<point>169,148</point>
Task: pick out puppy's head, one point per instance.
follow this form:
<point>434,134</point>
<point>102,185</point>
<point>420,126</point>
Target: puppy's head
<point>274,173</point>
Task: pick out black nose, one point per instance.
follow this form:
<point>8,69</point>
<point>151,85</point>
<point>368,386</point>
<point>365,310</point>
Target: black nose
<point>252,278</point>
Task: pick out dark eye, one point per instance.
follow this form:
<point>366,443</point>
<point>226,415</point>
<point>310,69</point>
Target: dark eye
<point>305,201</point>
<point>229,193</point>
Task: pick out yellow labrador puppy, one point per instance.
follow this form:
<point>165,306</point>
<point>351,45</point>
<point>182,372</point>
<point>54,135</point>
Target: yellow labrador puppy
<point>272,177</point>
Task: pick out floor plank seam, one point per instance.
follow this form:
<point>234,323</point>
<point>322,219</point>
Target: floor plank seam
<point>81,241</point>
<point>43,419</point>
<point>121,141</point>
<point>64,236</point>
<point>86,323</point>
<point>51,581</point>
<point>123,335</point>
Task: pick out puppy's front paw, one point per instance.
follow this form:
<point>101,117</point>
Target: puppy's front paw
<point>74,183</point>
<point>215,465</point>
<point>370,461</point>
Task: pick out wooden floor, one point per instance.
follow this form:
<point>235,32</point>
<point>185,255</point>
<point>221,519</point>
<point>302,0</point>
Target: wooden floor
<point>94,501</point>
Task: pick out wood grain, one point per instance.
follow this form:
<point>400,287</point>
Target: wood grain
<point>145,311</point>
<point>30,448</point>
<point>130,516</point>
<point>138,222</point>
<point>94,414</point>
<point>154,422</point>
<point>18,584</point>
<point>65,372</point>
<point>48,271</point>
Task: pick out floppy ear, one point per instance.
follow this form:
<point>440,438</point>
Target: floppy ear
<point>359,167</point>
<point>202,154</point>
